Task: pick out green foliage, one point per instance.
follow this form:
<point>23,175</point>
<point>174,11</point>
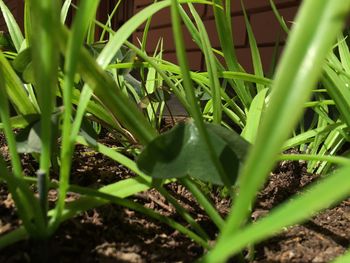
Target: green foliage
<point>62,82</point>
<point>181,152</point>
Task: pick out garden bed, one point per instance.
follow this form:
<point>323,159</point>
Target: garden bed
<point>116,234</point>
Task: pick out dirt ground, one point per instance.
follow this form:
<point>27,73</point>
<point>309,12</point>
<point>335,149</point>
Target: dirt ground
<point>116,234</point>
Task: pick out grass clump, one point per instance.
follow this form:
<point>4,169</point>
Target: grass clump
<point>64,85</point>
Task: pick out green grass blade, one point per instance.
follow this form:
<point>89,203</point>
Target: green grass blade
<point>27,205</point>
<point>223,28</point>
<point>203,200</point>
<point>343,259</point>
<point>126,30</point>
<point>188,86</point>
<point>309,157</point>
<point>130,26</point>
<point>109,196</point>
<point>118,157</point>
<point>83,18</point>
<point>257,65</point>
<point>332,144</point>
<point>279,17</point>
<point>344,53</point>
<point>45,56</point>
<point>21,121</point>
<point>318,197</point>
<point>114,193</point>
<point>65,10</point>
<point>190,27</point>
<point>254,116</point>
<point>27,23</point>
<point>12,26</point>
<point>13,237</point>
<point>121,189</point>
<point>45,52</point>
<point>339,91</point>
<point>214,82</point>
<point>85,103</point>
<point>109,20</point>
<point>145,32</point>
<point>162,72</point>
<point>15,89</point>
<point>106,90</point>
<point>309,135</point>
<point>296,75</point>
<point>114,155</point>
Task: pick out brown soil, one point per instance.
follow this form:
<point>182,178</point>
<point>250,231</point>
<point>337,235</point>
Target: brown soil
<point>116,234</point>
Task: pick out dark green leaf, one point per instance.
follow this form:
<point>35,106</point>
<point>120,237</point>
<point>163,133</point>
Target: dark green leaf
<point>23,65</point>
<point>28,74</point>
<point>87,131</point>
<point>29,139</point>
<point>181,152</point>
<point>23,59</point>
<point>6,42</point>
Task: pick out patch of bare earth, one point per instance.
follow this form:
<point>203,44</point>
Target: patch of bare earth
<point>115,234</point>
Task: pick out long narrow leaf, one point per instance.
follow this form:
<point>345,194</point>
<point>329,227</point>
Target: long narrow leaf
<point>316,198</point>
<point>257,64</point>
<point>12,26</point>
<point>228,49</point>
<point>84,16</point>
<point>214,83</point>
<point>15,89</point>
<point>296,75</point>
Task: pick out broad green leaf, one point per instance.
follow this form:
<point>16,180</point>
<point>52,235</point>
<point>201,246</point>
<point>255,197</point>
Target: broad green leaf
<point>194,109</point>
<point>181,152</point>
<point>28,74</point>
<point>20,63</point>
<point>23,65</point>
<point>29,140</point>
<point>21,121</point>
